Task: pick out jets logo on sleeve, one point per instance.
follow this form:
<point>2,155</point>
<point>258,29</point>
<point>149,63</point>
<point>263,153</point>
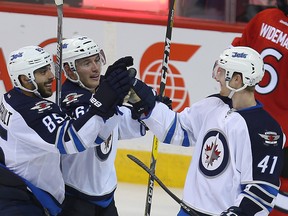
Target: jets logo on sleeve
<point>42,106</point>
<point>270,138</point>
<point>214,154</point>
<point>72,97</point>
<point>104,149</point>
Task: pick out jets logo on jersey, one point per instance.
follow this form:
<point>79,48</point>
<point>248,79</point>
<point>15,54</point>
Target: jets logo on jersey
<point>42,106</point>
<point>214,154</point>
<point>103,150</point>
<point>270,138</point>
<point>72,97</point>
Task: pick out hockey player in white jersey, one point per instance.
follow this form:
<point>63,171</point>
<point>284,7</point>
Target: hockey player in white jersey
<point>34,132</point>
<point>90,176</point>
<point>238,151</point>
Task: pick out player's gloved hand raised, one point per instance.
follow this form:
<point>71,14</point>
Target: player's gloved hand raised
<point>135,109</point>
<point>233,211</point>
<point>122,63</point>
<point>111,90</point>
<point>142,98</point>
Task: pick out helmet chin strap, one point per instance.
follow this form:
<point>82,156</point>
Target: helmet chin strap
<point>35,91</point>
<point>231,94</point>
<point>233,90</point>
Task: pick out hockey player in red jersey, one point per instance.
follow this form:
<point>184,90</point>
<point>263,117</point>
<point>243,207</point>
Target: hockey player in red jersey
<point>267,33</point>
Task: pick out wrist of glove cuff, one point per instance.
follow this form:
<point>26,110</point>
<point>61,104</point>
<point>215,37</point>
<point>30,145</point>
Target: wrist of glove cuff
<point>140,108</point>
<point>104,101</point>
<point>144,98</point>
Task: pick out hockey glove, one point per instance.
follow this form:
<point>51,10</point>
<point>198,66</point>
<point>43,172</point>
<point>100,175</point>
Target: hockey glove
<point>144,100</point>
<point>233,211</point>
<point>121,63</point>
<point>110,92</point>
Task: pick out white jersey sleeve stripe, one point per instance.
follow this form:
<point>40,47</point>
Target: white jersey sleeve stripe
<point>78,144</point>
<point>257,203</point>
<point>73,146</point>
<point>264,195</point>
<point>261,195</point>
<point>177,134</point>
<point>171,131</point>
<point>186,141</point>
<point>60,143</point>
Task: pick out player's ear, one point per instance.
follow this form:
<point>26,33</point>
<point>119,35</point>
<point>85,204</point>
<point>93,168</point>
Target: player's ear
<point>24,79</point>
<point>26,82</point>
<point>237,77</point>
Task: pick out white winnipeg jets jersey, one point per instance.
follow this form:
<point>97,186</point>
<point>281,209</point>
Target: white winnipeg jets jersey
<point>91,174</point>
<point>33,134</point>
<point>237,158</point>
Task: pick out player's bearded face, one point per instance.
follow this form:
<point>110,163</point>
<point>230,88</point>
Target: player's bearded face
<point>44,78</point>
<point>89,70</point>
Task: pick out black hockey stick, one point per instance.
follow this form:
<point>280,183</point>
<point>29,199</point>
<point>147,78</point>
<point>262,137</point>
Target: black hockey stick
<point>186,208</point>
<point>154,152</point>
<point>58,66</point>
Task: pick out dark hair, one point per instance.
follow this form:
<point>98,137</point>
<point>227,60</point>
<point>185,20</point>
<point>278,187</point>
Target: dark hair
<point>282,5</point>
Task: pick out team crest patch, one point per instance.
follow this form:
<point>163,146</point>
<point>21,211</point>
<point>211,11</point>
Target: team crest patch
<point>72,97</point>
<point>270,138</point>
<point>214,154</point>
<point>42,106</point>
<point>104,149</point>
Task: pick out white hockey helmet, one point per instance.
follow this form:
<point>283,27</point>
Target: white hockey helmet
<point>78,48</point>
<point>25,61</point>
<point>243,60</point>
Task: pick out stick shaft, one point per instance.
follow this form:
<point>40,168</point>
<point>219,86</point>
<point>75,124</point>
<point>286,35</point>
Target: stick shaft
<point>167,47</point>
<point>58,66</point>
<point>154,153</point>
<point>189,210</point>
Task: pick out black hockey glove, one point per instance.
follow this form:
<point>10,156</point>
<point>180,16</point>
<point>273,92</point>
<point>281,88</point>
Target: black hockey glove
<point>146,101</point>
<point>121,63</point>
<point>112,89</point>
<point>233,211</point>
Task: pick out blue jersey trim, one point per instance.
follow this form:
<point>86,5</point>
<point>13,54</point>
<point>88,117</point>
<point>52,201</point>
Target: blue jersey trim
<point>171,131</point>
<point>78,143</point>
<point>60,144</point>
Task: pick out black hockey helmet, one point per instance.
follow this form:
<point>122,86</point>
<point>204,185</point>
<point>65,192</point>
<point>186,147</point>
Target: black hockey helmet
<point>282,5</point>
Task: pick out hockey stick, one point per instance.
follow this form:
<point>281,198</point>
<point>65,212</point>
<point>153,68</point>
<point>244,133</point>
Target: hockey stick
<point>154,152</point>
<point>186,208</point>
<point>58,66</point>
